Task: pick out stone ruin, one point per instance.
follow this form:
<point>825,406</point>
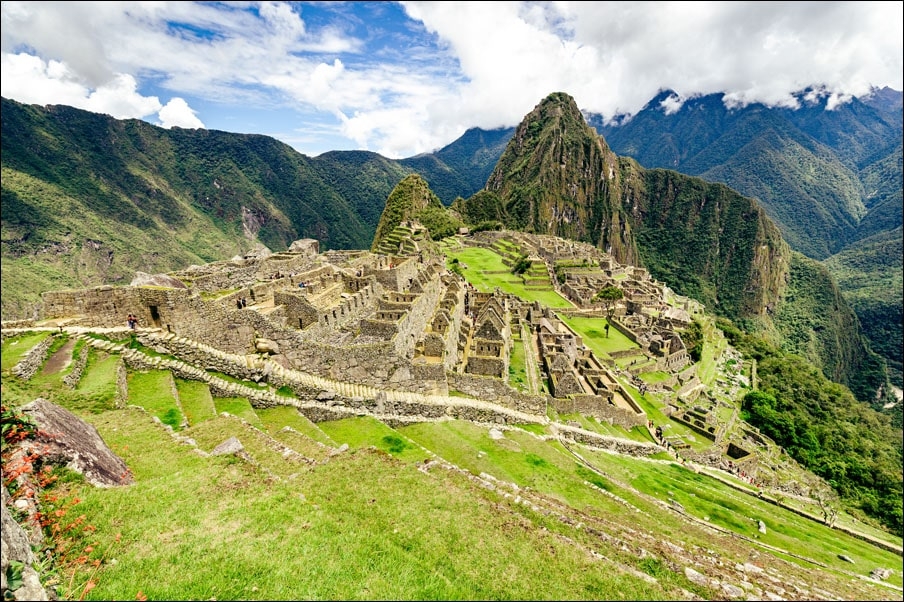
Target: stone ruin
<point>397,320</point>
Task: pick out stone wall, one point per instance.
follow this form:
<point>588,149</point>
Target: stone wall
<point>226,277</point>
<point>299,312</point>
<point>600,408</point>
<point>75,374</point>
<point>29,365</point>
<point>396,277</point>
<point>319,404</point>
<point>496,391</point>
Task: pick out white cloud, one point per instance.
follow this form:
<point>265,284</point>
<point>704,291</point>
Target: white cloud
<point>30,80</point>
<point>177,113</point>
<point>404,88</point>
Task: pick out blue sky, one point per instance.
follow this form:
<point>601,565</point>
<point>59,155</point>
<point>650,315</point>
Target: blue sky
<point>401,78</point>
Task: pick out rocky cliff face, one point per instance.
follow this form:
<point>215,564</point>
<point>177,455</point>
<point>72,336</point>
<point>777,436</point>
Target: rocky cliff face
<point>558,177</point>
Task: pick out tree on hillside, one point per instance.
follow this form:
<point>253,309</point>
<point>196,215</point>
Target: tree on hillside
<point>609,296</point>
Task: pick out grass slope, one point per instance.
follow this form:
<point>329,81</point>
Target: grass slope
<point>445,510</point>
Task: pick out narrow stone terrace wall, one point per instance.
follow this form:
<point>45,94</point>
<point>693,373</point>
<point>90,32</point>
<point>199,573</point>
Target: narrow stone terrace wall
<point>496,391</point>
<point>29,365</point>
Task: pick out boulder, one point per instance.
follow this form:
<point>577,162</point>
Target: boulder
<point>64,438</point>
<point>143,279</point>
<point>266,346</point>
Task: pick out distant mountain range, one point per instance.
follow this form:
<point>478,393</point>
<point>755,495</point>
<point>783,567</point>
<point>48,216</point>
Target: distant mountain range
<point>89,200</point>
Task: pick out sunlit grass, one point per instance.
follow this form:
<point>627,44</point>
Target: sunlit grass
<point>17,347</point>
<point>240,407</point>
<point>152,390</point>
<point>274,419</point>
<point>517,377</point>
<point>593,333</point>
<point>196,400</point>
<point>485,270</point>
<point>364,431</point>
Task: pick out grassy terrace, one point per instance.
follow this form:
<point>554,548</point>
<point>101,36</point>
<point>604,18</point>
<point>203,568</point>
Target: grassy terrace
<point>486,270</point>
<point>379,522</point>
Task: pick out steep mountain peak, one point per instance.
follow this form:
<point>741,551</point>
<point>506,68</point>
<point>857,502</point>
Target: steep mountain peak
<point>412,199</point>
<point>554,178</point>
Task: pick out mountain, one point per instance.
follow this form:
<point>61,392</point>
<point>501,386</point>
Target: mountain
<point>90,200</point>
<point>554,178</point>
<point>461,168</point>
<point>801,164</point>
<point>557,176</point>
<point>412,199</point>
<point>830,177</point>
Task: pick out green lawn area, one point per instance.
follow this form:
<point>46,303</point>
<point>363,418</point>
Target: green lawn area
<point>152,391</point>
<point>486,271</point>
<point>275,418</point>
<point>657,376</point>
<point>593,332</point>
<point>197,403</point>
<point>15,348</point>
<point>364,431</point>
<point>238,406</point>
<point>517,367</point>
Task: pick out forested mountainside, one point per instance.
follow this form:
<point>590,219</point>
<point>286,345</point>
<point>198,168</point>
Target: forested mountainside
<point>557,176</point>
<point>803,165</point>
<point>831,180</point>
<point>90,200</point>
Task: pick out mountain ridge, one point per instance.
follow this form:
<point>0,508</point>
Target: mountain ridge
<point>286,196</point>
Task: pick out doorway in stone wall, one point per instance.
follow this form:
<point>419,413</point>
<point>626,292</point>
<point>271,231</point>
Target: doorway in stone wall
<point>155,315</point>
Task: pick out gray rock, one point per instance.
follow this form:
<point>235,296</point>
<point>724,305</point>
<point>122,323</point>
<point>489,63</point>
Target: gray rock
<point>846,558</point>
<point>733,591</point>
<point>266,346</point>
<point>695,577</point>
<point>144,279</point>
<point>230,446</point>
<point>71,441</point>
<point>16,548</point>
<point>762,527</point>
<point>881,574</point>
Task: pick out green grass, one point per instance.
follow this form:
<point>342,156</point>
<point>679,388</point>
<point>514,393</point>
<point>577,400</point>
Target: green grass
<point>711,501</point>
<point>358,527</point>
<point>96,390</point>
<point>364,431</point>
<point>485,270</point>
<point>655,377</point>
<point>517,368</point>
<point>240,407</point>
<point>152,390</point>
<point>274,419</point>
<point>17,347</point>
<point>593,332</point>
<point>197,403</point>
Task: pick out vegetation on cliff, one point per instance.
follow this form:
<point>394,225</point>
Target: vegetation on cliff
<point>412,199</point>
<point>855,448</point>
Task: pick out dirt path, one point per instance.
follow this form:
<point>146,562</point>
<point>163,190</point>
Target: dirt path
<point>59,360</point>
